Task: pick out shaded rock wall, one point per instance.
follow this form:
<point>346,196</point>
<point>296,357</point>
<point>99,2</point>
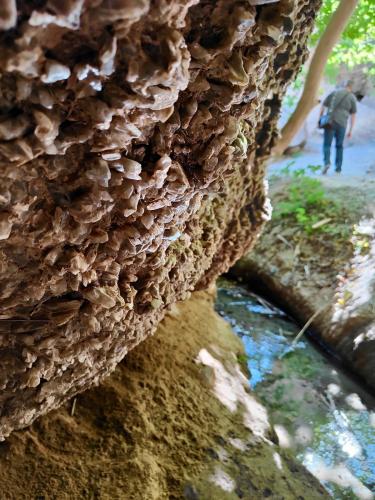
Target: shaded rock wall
<point>132,135</point>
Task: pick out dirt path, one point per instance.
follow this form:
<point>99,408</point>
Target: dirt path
<point>359,152</point>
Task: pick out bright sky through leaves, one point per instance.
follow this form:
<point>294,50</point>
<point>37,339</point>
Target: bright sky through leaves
<point>357,44</point>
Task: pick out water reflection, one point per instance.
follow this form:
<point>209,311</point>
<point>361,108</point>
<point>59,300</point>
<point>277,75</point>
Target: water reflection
<point>326,418</point>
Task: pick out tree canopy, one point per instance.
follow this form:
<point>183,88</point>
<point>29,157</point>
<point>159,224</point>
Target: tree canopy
<point>357,43</point>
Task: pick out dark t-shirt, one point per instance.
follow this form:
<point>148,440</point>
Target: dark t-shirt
<point>344,105</point>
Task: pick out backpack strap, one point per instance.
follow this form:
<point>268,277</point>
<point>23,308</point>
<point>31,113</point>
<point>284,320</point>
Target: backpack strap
<point>334,106</point>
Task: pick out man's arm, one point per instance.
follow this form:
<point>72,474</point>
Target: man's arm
<point>353,112</point>
<point>352,122</point>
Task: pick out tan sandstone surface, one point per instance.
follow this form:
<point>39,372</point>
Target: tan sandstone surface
<point>157,429</point>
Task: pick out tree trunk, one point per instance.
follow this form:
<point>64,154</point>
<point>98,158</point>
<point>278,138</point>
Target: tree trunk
<point>319,60</point>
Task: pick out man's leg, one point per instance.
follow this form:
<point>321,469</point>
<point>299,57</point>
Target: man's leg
<point>328,136</point>
<point>339,138</point>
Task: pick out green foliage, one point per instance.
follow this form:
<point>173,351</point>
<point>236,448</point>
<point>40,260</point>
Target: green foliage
<point>242,359</point>
<point>294,90</point>
<point>354,51</point>
<point>306,202</point>
<point>357,43</point>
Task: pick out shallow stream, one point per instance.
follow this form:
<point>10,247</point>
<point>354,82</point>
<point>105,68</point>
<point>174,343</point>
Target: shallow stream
<point>325,417</point>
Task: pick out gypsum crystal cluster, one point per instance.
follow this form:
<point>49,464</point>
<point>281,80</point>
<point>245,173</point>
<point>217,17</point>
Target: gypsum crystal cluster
<point>132,138</point>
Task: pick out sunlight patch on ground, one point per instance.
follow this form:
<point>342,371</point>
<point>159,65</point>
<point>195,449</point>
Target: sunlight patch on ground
<point>277,460</point>
<point>285,440</point>
<point>349,444</point>
<point>229,388</point>
<point>267,207</point>
<point>345,438</point>
<point>237,443</point>
<point>223,480</point>
<point>337,474</point>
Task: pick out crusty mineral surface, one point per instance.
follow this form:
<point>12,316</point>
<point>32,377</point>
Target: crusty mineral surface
<point>132,136</point>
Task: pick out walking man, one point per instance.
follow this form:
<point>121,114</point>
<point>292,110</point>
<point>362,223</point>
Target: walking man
<point>341,105</point>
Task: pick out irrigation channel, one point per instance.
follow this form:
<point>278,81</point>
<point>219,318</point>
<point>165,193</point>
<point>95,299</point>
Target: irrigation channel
<point>318,411</point>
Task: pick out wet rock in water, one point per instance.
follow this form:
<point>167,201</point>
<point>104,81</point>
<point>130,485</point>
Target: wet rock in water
<point>131,154</point>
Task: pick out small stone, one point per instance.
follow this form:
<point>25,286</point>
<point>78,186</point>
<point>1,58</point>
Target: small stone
<point>190,493</point>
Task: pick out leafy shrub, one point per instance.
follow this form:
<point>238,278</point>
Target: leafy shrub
<point>306,202</point>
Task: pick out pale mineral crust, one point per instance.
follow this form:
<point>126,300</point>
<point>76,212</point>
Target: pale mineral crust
<point>132,137</point>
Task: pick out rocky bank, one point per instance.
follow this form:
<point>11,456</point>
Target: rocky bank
<point>175,420</point>
<point>327,276</point>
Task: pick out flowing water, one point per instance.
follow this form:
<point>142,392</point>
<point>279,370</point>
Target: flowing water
<point>325,417</point>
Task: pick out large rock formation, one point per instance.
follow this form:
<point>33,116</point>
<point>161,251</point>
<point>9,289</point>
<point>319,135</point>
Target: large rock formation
<point>132,136</point>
